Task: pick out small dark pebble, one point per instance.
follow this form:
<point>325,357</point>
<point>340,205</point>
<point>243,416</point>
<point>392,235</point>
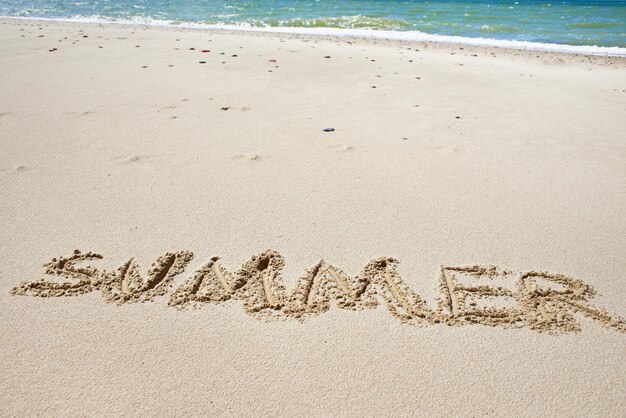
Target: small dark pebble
<point>192,49</point>
<point>144,66</point>
<point>202,62</point>
<point>52,50</point>
<point>329,129</point>
<point>327,56</point>
<point>226,108</point>
<point>206,50</point>
<point>234,56</point>
<point>457,117</point>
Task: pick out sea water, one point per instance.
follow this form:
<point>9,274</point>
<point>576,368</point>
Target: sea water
<point>522,22</point>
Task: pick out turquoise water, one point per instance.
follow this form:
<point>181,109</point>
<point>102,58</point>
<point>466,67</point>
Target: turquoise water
<point>575,22</point>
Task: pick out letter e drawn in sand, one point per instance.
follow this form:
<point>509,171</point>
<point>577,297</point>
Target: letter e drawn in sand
<point>469,294</point>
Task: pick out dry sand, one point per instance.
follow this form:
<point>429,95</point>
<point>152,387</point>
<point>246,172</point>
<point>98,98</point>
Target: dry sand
<point>469,209</point>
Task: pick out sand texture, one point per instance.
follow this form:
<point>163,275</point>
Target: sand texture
<point>252,224</point>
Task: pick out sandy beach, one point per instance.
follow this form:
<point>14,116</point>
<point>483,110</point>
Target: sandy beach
<point>205,222</point>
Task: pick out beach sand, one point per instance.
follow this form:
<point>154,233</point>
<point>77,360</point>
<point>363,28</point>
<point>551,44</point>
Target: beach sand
<point>131,142</point>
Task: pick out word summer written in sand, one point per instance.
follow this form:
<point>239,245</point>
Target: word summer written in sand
<point>476,294</point>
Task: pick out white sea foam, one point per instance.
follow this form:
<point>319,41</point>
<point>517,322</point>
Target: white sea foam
<point>415,36</point>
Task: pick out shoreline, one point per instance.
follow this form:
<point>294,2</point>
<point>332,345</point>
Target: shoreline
<point>364,34</point>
